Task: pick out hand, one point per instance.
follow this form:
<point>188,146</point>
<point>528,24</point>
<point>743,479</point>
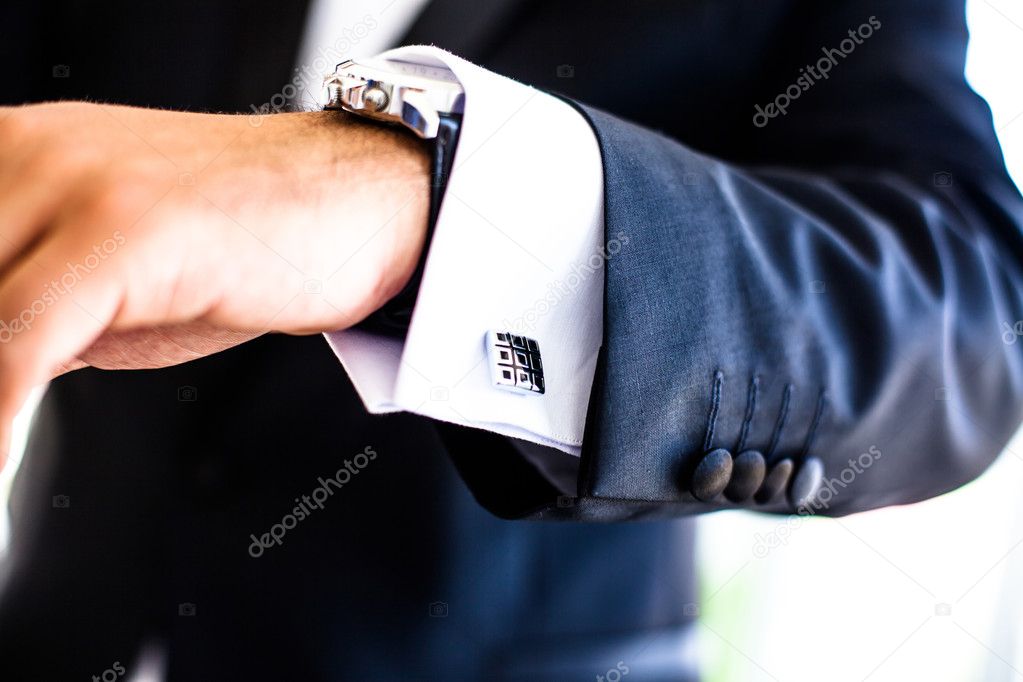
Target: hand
<point>134,238</point>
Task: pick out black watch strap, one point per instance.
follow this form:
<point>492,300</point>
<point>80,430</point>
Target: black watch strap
<point>393,318</point>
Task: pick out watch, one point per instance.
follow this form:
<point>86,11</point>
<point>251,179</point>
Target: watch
<point>428,101</point>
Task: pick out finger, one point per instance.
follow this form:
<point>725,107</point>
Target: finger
<point>151,347</point>
<point>46,319</point>
<point>66,367</point>
<point>32,191</point>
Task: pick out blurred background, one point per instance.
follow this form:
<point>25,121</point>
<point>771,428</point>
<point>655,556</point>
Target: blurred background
<point>933,591</point>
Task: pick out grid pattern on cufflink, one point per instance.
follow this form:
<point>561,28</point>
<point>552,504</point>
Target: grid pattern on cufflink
<point>515,362</point>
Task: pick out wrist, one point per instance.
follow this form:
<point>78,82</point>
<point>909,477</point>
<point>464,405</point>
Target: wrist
<point>394,172</point>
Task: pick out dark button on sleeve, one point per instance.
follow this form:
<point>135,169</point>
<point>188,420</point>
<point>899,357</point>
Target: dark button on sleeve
<point>712,474</point>
<point>748,471</point>
<point>806,483</point>
<point>777,480</point>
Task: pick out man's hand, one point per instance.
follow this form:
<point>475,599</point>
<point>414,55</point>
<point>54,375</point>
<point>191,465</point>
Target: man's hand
<point>135,238</point>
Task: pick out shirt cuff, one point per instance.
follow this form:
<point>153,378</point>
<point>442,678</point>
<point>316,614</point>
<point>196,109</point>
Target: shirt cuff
<point>517,247</point>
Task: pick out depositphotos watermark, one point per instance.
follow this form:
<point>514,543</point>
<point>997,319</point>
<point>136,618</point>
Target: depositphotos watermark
<point>1010,333</point>
<point>614,674</point>
<point>114,672</point>
<point>76,272</point>
<point>830,488</point>
<point>307,504</point>
<point>310,76</point>
<point>811,74</point>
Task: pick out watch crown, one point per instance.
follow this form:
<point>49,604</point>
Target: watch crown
<point>374,99</point>
<point>334,92</point>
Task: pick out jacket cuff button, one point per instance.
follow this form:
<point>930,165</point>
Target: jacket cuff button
<point>711,475</point>
<point>777,479</point>
<point>807,483</point>
<point>748,472</point>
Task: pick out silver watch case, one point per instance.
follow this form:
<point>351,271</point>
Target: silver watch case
<point>412,95</point>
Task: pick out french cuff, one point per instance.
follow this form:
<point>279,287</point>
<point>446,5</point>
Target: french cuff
<point>518,247</point>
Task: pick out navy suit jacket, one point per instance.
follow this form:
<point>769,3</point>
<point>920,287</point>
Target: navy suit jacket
<point>830,285</point>
<point>837,281</point>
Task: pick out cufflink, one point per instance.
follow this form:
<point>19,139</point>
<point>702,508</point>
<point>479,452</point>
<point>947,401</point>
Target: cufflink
<point>515,363</point>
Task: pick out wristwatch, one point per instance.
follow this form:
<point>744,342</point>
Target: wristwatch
<point>428,101</point>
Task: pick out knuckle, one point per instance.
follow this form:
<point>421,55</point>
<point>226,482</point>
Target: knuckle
<point>28,123</point>
<point>50,161</point>
<point>17,126</point>
<point>111,203</point>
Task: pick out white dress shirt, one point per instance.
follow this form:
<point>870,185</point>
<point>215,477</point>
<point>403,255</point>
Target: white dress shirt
<point>518,246</point>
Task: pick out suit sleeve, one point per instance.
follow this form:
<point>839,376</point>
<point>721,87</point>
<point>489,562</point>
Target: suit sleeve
<point>842,301</point>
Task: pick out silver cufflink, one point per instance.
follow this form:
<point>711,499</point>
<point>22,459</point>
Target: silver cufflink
<point>515,363</point>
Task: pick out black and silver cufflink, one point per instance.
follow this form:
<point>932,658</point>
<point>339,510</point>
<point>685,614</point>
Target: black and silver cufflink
<point>515,363</point>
